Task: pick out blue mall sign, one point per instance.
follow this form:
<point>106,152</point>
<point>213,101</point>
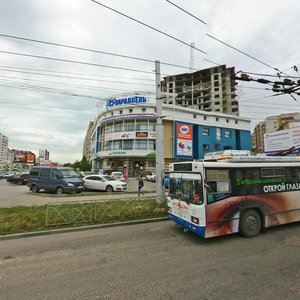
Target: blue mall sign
<point>130,100</point>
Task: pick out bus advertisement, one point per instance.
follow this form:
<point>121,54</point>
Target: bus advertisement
<point>234,193</point>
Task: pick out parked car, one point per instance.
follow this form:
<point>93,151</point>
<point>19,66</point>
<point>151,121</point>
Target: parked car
<point>151,177</point>
<point>104,183</point>
<point>117,175</point>
<point>18,179</point>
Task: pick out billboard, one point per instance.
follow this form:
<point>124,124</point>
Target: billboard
<point>282,140</point>
<point>26,158</point>
<point>184,140</point>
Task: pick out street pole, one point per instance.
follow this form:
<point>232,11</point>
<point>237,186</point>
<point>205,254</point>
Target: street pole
<point>160,161</point>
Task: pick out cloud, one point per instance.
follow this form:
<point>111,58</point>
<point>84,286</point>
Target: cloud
<point>35,116</point>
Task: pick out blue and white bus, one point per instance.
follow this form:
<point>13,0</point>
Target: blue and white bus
<point>232,191</point>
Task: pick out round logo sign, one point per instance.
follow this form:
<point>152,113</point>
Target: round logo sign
<point>184,129</point>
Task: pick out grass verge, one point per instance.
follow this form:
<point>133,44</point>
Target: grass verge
<point>23,219</point>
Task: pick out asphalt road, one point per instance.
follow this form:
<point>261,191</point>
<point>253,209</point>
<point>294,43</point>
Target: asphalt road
<point>14,195</point>
<point>151,261</point>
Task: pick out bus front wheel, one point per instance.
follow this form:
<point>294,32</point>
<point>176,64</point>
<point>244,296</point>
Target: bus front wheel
<point>250,223</point>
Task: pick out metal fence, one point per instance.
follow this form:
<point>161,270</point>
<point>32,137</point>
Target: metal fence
<point>100,211</point>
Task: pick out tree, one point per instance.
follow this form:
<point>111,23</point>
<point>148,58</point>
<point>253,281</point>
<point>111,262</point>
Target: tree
<point>82,165</point>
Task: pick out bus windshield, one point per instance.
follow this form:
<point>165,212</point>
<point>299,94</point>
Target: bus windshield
<point>186,187</point>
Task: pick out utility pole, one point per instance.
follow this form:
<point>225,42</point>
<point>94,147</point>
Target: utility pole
<point>160,160</point>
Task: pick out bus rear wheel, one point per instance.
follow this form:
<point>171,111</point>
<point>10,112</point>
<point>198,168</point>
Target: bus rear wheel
<point>250,223</point>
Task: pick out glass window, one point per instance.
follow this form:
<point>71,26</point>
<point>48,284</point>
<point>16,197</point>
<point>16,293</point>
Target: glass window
<point>45,173</point>
<point>152,125</point>
<point>293,174</point>
<point>129,126</point>
<point>130,110</point>
<point>117,144</point>
<point>128,144</point>
<point>118,127</point>
<point>143,109</point>
<point>227,133</point>
<point>186,187</point>
<point>151,144</point>
<point>272,172</point>
<point>140,144</point>
<point>218,133</point>
<point>205,131</point>
<point>141,125</point>
<point>206,148</point>
<point>108,128</point>
<point>108,145</point>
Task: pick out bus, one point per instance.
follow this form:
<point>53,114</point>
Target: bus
<point>231,191</point>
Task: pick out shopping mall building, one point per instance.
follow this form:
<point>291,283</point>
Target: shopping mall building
<point>124,134</point>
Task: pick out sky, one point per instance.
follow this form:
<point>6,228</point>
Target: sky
<point>49,93</point>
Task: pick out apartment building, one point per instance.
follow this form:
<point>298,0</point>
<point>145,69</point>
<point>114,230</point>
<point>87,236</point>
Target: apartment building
<point>3,148</point>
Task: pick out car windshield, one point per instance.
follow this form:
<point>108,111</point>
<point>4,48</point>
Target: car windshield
<point>117,174</point>
<point>68,173</point>
<point>108,178</point>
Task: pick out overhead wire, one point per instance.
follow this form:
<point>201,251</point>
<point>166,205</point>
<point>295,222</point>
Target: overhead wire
<point>226,44</point>
<point>90,50</point>
<point>146,25</point>
<point>4,68</point>
<point>187,12</point>
<point>80,78</point>
<point>75,62</point>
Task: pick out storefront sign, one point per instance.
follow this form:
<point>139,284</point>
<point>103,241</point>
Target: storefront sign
<point>122,101</point>
<point>141,134</point>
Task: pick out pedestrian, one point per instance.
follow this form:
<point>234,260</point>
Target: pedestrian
<point>140,185</point>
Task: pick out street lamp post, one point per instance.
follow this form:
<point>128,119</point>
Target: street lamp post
<point>160,161</point>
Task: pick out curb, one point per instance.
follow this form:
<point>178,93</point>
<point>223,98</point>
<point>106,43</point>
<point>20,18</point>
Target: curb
<point>82,228</point>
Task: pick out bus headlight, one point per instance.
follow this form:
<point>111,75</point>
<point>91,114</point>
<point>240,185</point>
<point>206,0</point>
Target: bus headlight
<point>195,220</point>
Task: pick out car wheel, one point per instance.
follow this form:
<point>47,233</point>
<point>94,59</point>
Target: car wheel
<point>250,223</point>
<point>109,189</point>
<point>59,190</point>
<point>34,188</point>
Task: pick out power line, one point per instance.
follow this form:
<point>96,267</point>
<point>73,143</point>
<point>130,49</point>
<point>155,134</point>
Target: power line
<point>89,50</point>
<point>44,106</point>
<point>240,51</point>
<point>144,24</point>
<point>222,42</point>
<point>187,12</point>
<point>80,78</point>
<point>89,87</point>
<point>268,75</point>
<point>75,62</point>
<point>72,73</point>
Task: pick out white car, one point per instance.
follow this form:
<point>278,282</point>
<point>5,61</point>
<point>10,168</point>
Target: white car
<point>151,177</point>
<point>117,175</point>
<point>104,183</point>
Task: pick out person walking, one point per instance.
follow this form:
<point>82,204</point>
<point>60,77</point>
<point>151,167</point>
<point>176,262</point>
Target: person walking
<point>140,186</point>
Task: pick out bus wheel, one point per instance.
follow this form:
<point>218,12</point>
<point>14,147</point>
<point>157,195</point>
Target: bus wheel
<point>34,188</point>
<point>59,190</point>
<point>250,223</point>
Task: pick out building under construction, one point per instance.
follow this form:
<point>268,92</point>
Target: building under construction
<point>211,90</point>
